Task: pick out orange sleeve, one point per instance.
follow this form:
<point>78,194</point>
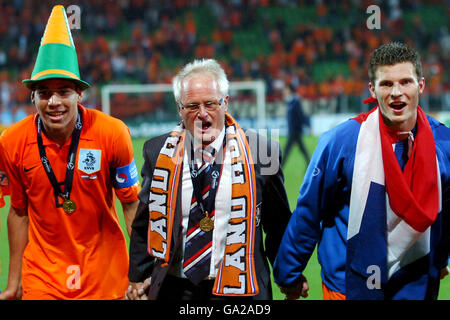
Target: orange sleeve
<point>4,185</point>
<point>129,194</point>
<point>10,179</point>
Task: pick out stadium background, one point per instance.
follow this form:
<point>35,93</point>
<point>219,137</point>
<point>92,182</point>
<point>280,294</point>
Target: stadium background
<point>320,46</point>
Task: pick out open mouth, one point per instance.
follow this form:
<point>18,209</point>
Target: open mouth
<point>56,116</point>
<point>203,125</point>
<point>397,106</point>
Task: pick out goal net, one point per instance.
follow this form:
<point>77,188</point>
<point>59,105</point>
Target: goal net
<point>150,109</point>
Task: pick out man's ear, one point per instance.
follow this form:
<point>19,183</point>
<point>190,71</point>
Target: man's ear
<point>372,90</point>
<point>32,97</point>
<point>225,102</point>
<point>80,96</point>
<point>421,85</point>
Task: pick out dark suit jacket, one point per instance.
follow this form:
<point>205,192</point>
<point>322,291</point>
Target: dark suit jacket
<point>271,199</point>
<point>296,117</point>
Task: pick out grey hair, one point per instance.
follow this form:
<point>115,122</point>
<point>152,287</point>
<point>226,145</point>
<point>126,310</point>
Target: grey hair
<point>201,66</point>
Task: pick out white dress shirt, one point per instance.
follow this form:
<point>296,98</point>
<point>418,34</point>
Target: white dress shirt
<point>222,211</point>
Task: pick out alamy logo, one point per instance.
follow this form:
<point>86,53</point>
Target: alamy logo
<point>374,279</point>
<point>73,281</point>
<point>74,16</point>
<point>374,20</point>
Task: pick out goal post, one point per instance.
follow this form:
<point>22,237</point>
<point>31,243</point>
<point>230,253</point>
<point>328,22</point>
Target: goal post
<point>247,103</point>
<point>109,89</point>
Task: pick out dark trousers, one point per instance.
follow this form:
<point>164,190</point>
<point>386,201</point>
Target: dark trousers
<point>292,139</point>
<point>175,288</point>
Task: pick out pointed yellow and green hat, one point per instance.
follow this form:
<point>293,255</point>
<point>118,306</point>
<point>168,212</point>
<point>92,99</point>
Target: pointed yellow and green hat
<point>57,57</point>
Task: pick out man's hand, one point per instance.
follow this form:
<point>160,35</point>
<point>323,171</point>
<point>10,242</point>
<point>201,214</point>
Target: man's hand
<point>300,290</point>
<point>11,293</point>
<point>137,290</point>
<point>445,272</point>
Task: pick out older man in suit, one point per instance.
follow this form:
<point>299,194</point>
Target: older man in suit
<point>209,189</point>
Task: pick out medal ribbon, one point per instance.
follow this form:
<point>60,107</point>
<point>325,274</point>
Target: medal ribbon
<point>206,204</point>
<point>198,244</point>
<point>70,168</point>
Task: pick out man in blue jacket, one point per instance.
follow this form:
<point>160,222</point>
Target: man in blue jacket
<point>375,196</point>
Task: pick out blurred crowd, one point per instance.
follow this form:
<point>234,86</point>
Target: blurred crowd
<point>139,41</point>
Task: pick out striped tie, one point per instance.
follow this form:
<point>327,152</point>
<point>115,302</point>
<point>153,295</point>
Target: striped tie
<point>198,245</point>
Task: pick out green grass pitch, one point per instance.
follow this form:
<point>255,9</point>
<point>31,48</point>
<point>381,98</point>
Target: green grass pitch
<point>294,171</point>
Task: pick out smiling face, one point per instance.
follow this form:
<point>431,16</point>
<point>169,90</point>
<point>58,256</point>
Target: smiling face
<point>200,89</point>
<point>397,90</point>
<point>56,102</point>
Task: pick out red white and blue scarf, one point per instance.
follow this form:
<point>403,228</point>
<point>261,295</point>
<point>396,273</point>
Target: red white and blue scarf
<point>390,211</point>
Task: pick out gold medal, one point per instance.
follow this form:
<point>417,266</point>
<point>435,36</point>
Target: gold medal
<point>69,206</point>
<point>206,224</point>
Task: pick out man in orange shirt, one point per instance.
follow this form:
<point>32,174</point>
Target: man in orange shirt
<point>66,165</point>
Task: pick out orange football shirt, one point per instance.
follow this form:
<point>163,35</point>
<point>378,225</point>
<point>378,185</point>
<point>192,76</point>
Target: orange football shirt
<point>82,255</point>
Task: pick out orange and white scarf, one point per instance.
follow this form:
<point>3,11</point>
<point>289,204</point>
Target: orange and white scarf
<point>236,274</point>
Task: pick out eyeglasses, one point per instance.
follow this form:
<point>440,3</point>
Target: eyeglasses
<point>195,107</point>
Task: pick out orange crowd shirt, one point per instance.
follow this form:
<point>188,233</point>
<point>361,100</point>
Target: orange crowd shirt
<point>82,255</point>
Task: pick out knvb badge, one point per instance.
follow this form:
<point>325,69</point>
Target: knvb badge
<point>89,160</point>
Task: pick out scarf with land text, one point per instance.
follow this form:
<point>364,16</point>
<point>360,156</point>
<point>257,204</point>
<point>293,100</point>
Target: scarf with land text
<point>236,275</point>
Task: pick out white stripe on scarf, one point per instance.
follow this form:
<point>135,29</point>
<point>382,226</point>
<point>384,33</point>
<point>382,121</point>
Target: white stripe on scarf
<point>404,244</point>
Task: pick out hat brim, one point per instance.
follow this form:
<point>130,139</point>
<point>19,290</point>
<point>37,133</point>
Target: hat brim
<point>30,84</point>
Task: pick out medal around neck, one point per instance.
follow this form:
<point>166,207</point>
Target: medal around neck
<point>69,206</point>
<point>206,224</point>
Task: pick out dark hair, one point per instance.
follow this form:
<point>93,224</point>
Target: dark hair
<point>393,53</point>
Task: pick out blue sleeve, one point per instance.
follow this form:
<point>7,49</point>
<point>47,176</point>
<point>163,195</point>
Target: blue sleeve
<point>442,140</point>
<point>319,202</point>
